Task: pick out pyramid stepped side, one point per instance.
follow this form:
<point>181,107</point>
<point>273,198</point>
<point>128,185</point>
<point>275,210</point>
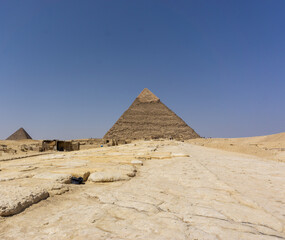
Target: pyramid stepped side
<point>20,134</point>
<point>150,119</point>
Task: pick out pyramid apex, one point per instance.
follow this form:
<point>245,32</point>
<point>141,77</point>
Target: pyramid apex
<point>147,96</point>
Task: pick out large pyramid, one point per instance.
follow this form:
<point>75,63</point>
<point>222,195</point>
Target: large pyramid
<point>19,135</point>
<point>149,118</point>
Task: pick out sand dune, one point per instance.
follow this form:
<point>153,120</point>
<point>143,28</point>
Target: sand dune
<point>279,137</point>
<point>270,146</point>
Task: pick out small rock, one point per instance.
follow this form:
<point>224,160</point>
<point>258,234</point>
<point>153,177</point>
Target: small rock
<point>108,177</point>
<point>84,175</point>
<point>137,162</point>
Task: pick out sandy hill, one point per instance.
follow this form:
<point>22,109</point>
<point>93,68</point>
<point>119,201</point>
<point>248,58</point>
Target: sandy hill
<point>269,146</point>
<point>278,138</point>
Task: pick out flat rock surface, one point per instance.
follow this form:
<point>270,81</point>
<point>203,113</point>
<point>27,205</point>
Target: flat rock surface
<point>57,177</point>
<point>212,194</point>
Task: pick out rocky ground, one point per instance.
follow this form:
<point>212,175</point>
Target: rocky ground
<point>182,191</point>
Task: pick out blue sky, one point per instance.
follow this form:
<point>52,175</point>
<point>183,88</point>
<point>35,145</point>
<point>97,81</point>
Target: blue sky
<point>69,69</point>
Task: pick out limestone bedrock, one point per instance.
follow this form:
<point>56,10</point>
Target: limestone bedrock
<point>198,193</point>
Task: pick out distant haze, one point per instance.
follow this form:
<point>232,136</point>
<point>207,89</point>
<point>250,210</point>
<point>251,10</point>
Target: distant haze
<point>69,69</point>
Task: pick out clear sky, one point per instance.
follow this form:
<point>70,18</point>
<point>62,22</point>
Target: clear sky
<point>69,69</point>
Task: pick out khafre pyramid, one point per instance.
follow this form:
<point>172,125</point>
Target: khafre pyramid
<point>149,118</point>
<point>20,134</point>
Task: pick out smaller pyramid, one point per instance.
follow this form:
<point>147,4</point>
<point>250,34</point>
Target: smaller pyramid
<point>19,135</point>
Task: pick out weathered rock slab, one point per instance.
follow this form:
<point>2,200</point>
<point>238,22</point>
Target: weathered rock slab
<point>108,177</point>
<point>56,177</point>
<point>19,198</point>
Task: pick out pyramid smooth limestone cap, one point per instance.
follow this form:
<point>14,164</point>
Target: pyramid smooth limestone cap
<point>147,96</point>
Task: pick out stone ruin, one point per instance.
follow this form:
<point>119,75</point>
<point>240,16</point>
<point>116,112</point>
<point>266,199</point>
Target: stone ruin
<point>57,145</point>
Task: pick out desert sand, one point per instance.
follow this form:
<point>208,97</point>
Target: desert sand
<point>270,146</point>
<point>146,190</point>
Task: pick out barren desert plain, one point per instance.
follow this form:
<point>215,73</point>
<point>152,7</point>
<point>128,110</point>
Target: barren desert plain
<point>159,189</point>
